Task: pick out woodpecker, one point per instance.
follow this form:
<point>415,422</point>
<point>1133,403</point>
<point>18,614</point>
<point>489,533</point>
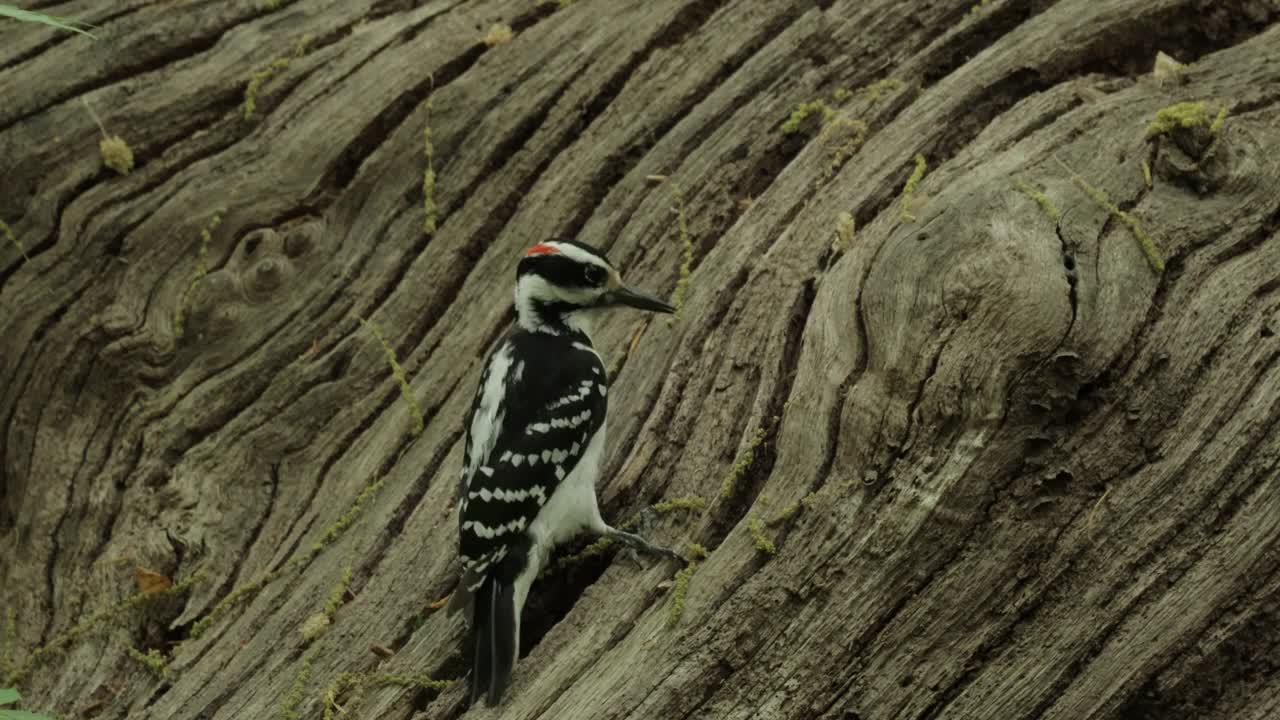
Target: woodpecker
<point>534,443</point>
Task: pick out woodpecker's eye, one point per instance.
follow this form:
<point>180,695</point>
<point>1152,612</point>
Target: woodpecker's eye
<point>596,275</point>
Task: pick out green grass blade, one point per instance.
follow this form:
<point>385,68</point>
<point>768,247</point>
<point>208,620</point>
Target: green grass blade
<point>9,695</point>
<point>28,16</point>
<point>21,715</point>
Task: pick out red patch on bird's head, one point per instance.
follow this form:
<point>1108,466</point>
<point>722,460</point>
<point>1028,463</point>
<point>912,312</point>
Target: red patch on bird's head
<point>542,249</point>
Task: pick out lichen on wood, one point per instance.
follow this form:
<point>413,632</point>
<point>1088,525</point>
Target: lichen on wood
<point>1041,199</point>
<point>1148,243</point>
<point>402,378</point>
<point>13,239</point>
<point>97,622</point>
<point>680,589</point>
<point>260,77</point>
<point>909,190</point>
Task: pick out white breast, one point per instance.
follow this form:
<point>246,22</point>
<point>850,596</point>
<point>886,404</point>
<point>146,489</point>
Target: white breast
<point>571,509</point>
<point>572,506</point>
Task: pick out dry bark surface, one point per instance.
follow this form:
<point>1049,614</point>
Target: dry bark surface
<point>1036,476</point>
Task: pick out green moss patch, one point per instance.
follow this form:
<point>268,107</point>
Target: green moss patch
<point>804,111</point>
<point>844,232</point>
<point>1186,116</point>
<point>761,541</point>
<point>152,660</point>
<point>692,503</point>
<point>978,7</point>
<point>787,512</point>
<point>289,708</point>
<point>116,154</point>
<point>742,463</point>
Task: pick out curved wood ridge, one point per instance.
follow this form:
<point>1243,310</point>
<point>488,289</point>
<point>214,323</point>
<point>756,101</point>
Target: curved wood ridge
<point>972,398</point>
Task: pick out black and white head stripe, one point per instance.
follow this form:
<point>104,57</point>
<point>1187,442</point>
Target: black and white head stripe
<point>566,264</point>
<point>557,278</point>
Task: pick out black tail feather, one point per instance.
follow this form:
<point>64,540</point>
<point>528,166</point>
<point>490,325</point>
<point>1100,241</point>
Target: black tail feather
<point>493,640</point>
<point>503,638</point>
<point>481,640</point>
<point>495,623</point>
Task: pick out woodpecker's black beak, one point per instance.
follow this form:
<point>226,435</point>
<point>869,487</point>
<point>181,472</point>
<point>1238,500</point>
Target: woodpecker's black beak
<point>635,299</point>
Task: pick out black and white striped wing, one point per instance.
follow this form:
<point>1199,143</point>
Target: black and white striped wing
<point>542,400</point>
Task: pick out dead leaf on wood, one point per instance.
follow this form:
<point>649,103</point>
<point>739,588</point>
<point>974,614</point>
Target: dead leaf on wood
<point>313,350</point>
<point>150,581</point>
<point>636,335</point>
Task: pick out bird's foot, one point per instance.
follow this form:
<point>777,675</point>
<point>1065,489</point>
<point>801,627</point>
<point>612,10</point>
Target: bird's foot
<point>637,544</point>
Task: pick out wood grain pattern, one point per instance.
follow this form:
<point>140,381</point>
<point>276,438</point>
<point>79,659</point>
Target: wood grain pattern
<point>1039,479</point>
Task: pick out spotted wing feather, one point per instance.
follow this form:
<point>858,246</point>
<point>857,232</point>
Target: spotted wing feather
<point>554,401</point>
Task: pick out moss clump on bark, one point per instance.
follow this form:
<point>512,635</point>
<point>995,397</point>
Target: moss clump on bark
<point>803,112</point>
<point>844,232</point>
<point>116,154</point>
<point>787,512</point>
<point>762,541</point>
<point>499,34</point>
<point>1215,127</point>
<point>909,190</point>
<point>692,503</point>
<point>878,89</point>
<point>742,463</point>
<point>1186,116</point>
<point>152,660</point>
<point>680,589</point>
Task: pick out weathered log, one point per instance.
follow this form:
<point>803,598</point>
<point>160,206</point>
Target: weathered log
<point>976,367</point>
